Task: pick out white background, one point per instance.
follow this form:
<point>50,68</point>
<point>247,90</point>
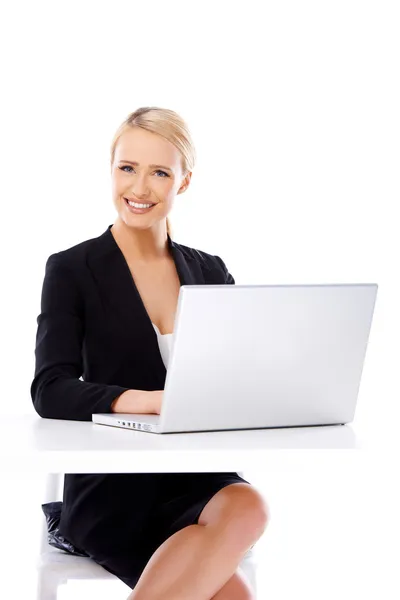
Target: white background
<point>293,107</point>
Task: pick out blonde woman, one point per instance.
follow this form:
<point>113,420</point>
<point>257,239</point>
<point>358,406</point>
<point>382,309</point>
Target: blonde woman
<point>107,316</point>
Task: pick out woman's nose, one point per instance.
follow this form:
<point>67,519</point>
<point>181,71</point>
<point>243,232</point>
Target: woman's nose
<point>139,187</point>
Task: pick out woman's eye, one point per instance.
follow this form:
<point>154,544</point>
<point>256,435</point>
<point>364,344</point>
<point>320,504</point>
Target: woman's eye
<point>129,167</point>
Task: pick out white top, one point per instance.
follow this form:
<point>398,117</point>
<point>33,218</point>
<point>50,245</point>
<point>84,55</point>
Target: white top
<point>164,343</point>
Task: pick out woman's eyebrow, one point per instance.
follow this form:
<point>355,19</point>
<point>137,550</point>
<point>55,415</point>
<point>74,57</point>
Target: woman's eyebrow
<point>136,164</point>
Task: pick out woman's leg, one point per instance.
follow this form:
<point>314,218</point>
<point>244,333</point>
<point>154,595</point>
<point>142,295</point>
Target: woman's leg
<point>199,560</point>
<point>236,588</point>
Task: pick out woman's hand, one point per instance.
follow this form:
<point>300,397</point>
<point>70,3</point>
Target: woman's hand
<point>156,401</point>
<point>138,401</point>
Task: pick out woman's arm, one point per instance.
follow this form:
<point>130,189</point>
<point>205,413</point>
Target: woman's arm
<point>56,390</point>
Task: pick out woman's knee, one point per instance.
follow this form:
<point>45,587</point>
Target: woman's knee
<point>242,506</point>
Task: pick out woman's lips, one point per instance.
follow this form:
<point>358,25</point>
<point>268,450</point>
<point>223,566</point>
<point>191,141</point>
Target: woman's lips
<point>138,211</point>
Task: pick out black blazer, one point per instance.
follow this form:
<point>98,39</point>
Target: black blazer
<point>93,324</point>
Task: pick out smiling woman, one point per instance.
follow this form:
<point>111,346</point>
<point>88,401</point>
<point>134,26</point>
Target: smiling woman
<point>108,312</point>
<point>148,134</point>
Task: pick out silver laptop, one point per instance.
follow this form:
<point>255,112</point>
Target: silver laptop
<point>258,356</point>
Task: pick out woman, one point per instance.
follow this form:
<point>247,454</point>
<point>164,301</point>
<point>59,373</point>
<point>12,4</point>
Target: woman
<point>107,313</point>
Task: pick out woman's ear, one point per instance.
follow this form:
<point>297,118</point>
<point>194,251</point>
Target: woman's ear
<point>185,182</point>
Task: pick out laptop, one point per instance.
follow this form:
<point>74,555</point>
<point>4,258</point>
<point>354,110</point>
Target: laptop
<point>261,356</point>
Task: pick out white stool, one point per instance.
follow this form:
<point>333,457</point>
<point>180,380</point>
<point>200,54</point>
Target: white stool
<point>56,567</point>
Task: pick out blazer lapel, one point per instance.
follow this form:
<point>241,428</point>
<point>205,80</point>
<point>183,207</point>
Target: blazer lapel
<point>188,268</point>
<point>119,294</point>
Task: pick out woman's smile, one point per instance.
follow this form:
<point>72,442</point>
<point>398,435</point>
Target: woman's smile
<point>140,208</point>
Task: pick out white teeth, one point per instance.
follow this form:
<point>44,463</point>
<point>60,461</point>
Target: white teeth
<point>139,205</point>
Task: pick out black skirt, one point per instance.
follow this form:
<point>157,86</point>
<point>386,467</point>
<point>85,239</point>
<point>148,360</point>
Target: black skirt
<point>120,520</point>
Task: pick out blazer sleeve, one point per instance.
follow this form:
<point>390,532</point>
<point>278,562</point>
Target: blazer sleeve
<point>228,277</point>
<point>56,390</point>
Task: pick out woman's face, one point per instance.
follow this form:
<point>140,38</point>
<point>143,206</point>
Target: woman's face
<point>142,182</point>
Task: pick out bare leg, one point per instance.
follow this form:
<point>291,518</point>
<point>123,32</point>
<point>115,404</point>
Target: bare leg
<point>236,588</point>
<point>199,560</point>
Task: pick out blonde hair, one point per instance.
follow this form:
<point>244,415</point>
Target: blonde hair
<point>169,125</point>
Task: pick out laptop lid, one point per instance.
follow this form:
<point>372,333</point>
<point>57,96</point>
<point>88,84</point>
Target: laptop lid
<point>250,356</point>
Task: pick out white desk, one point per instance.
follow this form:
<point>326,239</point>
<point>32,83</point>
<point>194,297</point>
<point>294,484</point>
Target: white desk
<point>30,443</point>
